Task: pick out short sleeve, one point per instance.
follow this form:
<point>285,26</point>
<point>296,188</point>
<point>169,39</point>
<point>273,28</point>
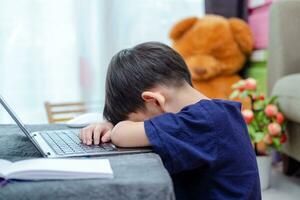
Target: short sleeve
<point>185,140</point>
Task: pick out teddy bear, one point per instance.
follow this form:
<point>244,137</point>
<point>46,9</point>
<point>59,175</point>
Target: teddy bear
<point>215,50</point>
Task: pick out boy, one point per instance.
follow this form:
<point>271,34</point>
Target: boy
<point>203,143</point>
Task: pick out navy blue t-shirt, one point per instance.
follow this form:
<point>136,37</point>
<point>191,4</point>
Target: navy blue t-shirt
<point>207,150</point>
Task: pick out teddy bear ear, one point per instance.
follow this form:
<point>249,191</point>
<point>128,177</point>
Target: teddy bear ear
<point>242,34</point>
<point>181,27</point>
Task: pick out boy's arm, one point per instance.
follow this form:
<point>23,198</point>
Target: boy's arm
<point>129,134</point>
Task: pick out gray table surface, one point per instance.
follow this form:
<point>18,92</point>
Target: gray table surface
<point>136,176</point>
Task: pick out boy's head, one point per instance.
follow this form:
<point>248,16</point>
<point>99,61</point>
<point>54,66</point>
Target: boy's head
<point>134,71</point>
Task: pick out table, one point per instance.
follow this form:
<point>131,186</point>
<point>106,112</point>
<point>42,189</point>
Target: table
<point>136,176</point>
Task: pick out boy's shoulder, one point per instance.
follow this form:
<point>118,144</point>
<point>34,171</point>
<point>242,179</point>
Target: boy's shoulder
<point>211,106</point>
<point>207,113</point>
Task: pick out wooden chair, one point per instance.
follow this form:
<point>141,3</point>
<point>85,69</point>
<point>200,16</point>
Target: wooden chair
<point>62,112</point>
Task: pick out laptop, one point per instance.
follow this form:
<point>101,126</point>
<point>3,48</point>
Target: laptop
<point>66,143</point>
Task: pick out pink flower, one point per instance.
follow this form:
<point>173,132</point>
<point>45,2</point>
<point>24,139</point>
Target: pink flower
<point>279,118</point>
<point>283,138</point>
<point>271,110</point>
<point>248,115</point>
<point>268,139</point>
<point>250,84</point>
<point>239,85</point>
<point>274,129</point>
<point>262,97</point>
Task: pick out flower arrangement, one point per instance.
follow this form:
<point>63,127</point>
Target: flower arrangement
<point>266,124</point>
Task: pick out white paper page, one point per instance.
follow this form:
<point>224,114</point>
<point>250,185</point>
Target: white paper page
<point>88,166</point>
<point>4,165</point>
<point>38,175</point>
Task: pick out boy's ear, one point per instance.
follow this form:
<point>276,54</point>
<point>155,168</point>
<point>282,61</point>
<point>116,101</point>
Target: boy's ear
<point>154,98</point>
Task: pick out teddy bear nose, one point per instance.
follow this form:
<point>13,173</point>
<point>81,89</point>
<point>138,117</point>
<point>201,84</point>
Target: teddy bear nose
<point>200,71</point>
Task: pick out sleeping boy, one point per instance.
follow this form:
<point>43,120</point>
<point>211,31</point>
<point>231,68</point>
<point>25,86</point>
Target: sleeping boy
<point>203,143</point>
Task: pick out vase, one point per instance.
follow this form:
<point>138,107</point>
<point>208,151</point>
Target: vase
<point>264,170</point>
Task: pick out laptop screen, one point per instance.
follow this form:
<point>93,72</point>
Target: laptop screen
<point>14,116</point>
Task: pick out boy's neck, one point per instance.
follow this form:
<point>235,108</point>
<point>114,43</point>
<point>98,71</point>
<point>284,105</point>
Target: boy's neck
<point>182,97</point>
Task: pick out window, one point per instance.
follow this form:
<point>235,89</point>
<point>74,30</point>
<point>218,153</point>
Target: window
<point>58,50</point>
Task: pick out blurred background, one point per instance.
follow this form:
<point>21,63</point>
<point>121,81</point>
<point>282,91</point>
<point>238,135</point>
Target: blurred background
<point>58,50</point>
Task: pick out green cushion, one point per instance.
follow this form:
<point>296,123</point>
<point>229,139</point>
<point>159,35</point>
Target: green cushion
<point>288,91</point>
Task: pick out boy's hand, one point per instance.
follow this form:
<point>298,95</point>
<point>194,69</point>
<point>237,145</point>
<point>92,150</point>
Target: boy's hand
<point>96,133</point>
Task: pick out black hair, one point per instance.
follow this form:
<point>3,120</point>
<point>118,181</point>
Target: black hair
<point>132,71</point>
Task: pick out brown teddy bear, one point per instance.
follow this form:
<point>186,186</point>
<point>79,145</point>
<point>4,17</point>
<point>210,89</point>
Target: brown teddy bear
<point>215,49</point>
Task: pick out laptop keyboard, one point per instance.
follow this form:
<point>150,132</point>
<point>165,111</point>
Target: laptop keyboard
<point>68,142</point>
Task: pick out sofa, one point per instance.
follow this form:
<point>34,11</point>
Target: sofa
<point>284,73</point>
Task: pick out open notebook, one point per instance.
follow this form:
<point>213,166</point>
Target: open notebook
<point>54,169</point>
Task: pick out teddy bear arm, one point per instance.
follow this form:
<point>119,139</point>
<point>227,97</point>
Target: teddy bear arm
<point>232,65</point>
<point>203,67</point>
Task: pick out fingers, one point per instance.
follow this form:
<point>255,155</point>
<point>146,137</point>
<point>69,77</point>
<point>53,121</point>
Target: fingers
<point>106,137</point>
<point>81,135</point>
<point>95,133</point>
<point>86,135</point>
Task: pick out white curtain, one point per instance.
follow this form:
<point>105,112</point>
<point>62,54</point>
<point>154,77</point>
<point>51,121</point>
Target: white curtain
<point>58,50</point>
<point>131,22</point>
<point>38,55</point>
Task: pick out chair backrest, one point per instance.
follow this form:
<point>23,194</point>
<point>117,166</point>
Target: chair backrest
<point>62,112</point>
<point>284,40</point>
